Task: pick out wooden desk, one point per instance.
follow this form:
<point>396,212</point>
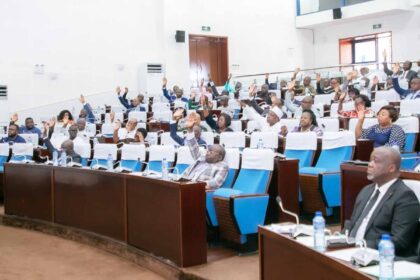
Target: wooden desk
<point>284,258</point>
<point>164,218</point>
<point>284,183</point>
<point>353,179</point>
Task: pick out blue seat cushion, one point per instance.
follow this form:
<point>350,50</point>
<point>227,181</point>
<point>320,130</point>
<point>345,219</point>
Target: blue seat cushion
<point>312,170</point>
<point>225,192</point>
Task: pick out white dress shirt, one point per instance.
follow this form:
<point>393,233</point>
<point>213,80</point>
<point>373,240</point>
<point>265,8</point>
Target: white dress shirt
<point>124,134</point>
<point>360,234</point>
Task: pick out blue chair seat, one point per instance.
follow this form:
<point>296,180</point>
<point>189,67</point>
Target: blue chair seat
<point>225,192</point>
<point>133,165</point>
<point>312,170</point>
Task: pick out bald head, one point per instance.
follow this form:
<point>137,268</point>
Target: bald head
<point>384,165</point>
<point>81,124</point>
<point>215,153</point>
<point>306,103</point>
<point>67,146</point>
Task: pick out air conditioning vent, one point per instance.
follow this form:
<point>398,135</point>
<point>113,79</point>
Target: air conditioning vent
<point>154,68</point>
<point>3,91</point>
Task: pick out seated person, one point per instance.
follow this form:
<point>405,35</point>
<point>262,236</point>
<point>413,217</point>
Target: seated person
<point>178,114</point>
<point>176,97</point>
<point>222,124</point>
<point>12,135</point>
<point>86,112</point>
<point>387,206</point>
<point>307,123</point>
<point>307,88</point>
<point>385,133</point>
<point>141,135</point>
<point>64,121</point>
<point>297,107</point>
<point>67,146</point>
<point>224,105</point>
<point>28,128</point>
<point>135,102</point>
<point>82,131</point>
<point>212,169</point>
<point>328,85</point>
<point>408,94</point>
<point>361,102</point>
<point>121,133</point>
<point>270,123</point>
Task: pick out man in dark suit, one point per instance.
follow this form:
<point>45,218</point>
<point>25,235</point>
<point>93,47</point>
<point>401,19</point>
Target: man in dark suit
<point>406,74</point>
<point>386,206</point>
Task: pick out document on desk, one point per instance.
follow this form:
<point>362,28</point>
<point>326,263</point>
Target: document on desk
<point>402,270</point>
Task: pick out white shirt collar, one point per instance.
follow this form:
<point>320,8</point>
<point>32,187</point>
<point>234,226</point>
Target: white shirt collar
<point>385,187</point>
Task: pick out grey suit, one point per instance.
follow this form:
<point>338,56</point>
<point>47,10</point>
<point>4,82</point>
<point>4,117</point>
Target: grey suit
<point>397,214</point>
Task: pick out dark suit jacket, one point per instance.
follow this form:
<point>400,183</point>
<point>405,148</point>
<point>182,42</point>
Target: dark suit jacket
<point>397,214</point>
<point>75,157</point>
<point>410,75</point>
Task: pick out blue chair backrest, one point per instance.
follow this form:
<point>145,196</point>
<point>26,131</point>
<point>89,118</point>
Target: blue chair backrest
<point>20,158</point>
<point>181,167</point>
<point>410,142</point>
<point>331,159</point>
<point>409,161</point>
<point>156,165</point>
<point>305,157</point>
<point>133,165</point>
<point>84,162</point>
<point>230,178</point>
<point>3,159</point>
<point>252,181</point>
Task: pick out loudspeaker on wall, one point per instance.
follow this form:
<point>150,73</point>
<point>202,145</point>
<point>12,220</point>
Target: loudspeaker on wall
<point>180,36</point>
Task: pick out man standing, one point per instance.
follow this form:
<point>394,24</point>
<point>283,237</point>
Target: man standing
<point>387,206</point>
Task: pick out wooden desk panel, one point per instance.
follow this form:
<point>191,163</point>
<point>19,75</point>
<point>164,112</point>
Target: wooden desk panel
<point>90,200</point>
<point>167,219</point>
<point>353,179</point>
<point>28,191</point>
<point>284,258</point>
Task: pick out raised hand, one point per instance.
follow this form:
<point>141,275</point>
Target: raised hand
<point>82,99</point>
<point>342,97</point>
<point>375,80</point>
<point>360,107</point>
<point>178,114</point>
<point>360,112</point>
<point>384,54</point>
<point>252,90</point>
<point>291,85</point>
<point>230,76</point>
<point>112,116</point>
<point>283,130</point>
<point>349,76</point>
<point>190,122</point>
<point>266,76</point>
<point>118,89</point>
<point>14,118</point>
<point>297,70</point>
<point>164,81</point>
<point>209,76</point>
<point>126,90</point>
<point>117,125</point>
<point>396,68</point>
<point>318,77</point>
<point>202,82</point>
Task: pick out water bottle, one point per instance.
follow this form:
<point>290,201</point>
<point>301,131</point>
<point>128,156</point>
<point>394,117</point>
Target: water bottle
<point>319,232</point>
<point>386,258</point>
<point>164,169</point>
<point>55,158</point>
<point>260,144</point>
<point>63,158</point>
<point>109,163</point>
<point>95,141</point>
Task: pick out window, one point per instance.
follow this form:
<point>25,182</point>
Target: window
<point>366,49</point>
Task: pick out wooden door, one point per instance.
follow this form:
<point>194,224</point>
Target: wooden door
<point>208,55</point>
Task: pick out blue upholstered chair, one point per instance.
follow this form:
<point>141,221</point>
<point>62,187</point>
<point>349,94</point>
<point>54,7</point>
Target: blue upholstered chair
<point>4,154</point>
<point>233,159</point>
<point>320,185</point>
<point>157,153</point>
<point>100,154</point>
<point>83,149</point>
<point>132,157</point>
<point>22,152</point>
<point>410,125</point>
<point>241,209</point>
<point>301,146</point>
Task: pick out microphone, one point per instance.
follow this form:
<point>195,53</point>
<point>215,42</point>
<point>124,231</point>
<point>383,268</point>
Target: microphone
<point>278,199</point>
